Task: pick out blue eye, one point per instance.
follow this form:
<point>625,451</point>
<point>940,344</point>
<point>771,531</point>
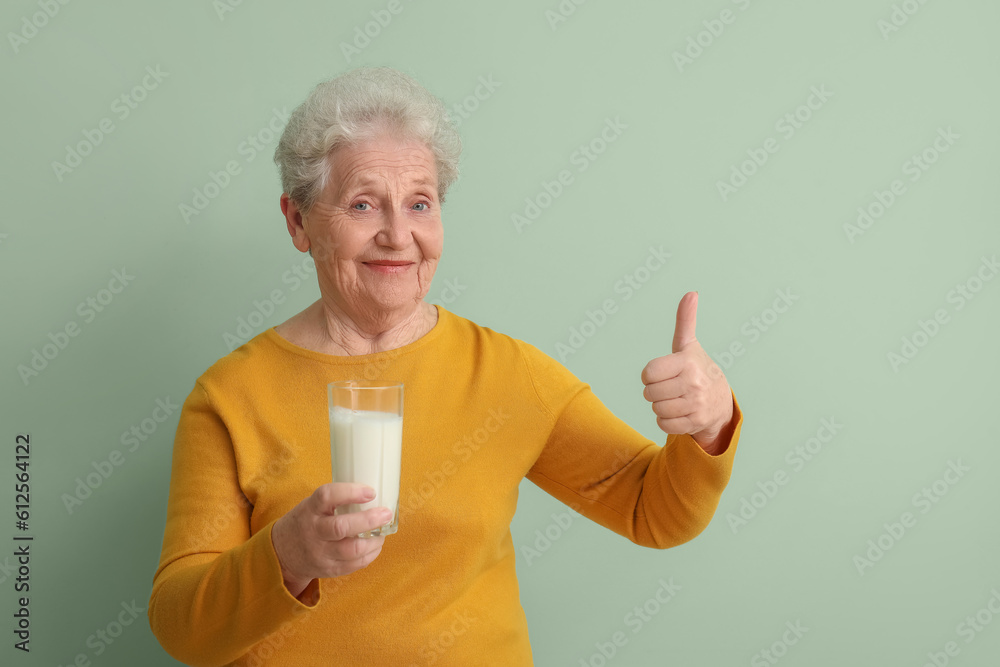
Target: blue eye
<point>424,204</point>
<point>360,203</point>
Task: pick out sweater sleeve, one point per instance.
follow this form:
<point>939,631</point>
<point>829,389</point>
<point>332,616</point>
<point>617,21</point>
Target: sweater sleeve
<point>218,589</point>
<point>657,497</point>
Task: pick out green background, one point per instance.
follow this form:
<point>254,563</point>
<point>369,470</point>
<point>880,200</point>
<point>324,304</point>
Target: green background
<point>655,185</point>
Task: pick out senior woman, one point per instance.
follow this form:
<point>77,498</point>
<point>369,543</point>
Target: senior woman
<point>257,570</point>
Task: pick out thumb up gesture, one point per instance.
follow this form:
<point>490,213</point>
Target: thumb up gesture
<point>688,390</point>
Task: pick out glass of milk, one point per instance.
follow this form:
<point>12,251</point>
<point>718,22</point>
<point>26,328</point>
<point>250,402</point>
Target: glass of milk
<point>366,438</point>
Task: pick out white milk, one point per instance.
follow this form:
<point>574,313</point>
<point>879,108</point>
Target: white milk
<point>365,448</point>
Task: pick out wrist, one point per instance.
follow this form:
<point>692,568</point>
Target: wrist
<point>716,443</point>
<point>294,583</point>
<point>712,445</point>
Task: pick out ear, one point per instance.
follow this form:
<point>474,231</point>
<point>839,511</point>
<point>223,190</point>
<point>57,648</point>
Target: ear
<point>294,220</point>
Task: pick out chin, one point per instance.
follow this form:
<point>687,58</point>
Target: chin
<point>391,303</point>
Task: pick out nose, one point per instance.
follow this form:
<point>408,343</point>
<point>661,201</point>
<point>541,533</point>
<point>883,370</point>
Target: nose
<point>394,231</point>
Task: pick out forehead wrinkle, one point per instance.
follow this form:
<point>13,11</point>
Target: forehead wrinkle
<point>366,175</point>
<point>399,157</point>
<point>408,164</point>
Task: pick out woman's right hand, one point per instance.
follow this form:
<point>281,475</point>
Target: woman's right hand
<point>312,543</point>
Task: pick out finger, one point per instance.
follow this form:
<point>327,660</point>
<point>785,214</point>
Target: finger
<point>674,407</point>
<point>662,369</point>
<point>352,549</point>
<point>677,425</point>
<point>345,526</point>
<point>687,313</point>
<point>337,567</point>
<point>337,558</point>
<point>664,390</point>
<point>328,497</point>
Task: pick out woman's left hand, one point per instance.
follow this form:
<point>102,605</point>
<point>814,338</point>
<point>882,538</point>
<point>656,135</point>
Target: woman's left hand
<point>688,390</point>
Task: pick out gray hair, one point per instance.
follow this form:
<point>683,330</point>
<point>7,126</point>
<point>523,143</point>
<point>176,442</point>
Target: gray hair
<point>358,105</point>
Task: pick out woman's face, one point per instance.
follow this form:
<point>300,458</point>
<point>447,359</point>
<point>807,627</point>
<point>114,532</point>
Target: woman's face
<point>375,230</point>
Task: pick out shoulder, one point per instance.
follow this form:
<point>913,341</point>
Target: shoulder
<point>241,365</point>
<point>472,332</point>
<point>477,338</point>
<point>550,381</point>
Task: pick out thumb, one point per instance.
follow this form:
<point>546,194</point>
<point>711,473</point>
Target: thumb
<point>687,314</point>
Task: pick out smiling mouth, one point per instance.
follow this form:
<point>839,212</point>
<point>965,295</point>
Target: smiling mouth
<point>388,266</point>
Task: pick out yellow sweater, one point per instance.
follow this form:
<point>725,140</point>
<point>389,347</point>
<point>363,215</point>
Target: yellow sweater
<point>482,412</point>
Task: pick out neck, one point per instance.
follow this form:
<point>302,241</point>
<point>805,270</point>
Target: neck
<point>334,331</point>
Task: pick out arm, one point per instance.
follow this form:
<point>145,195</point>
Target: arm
<point>657,497</point>
<point>720,444</point>
<point>218,589</point>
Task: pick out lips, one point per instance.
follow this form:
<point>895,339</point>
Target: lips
<point>388,266</point>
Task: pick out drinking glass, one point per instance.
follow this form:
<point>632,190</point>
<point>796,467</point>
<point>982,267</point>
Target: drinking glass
<point>366,437</point>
